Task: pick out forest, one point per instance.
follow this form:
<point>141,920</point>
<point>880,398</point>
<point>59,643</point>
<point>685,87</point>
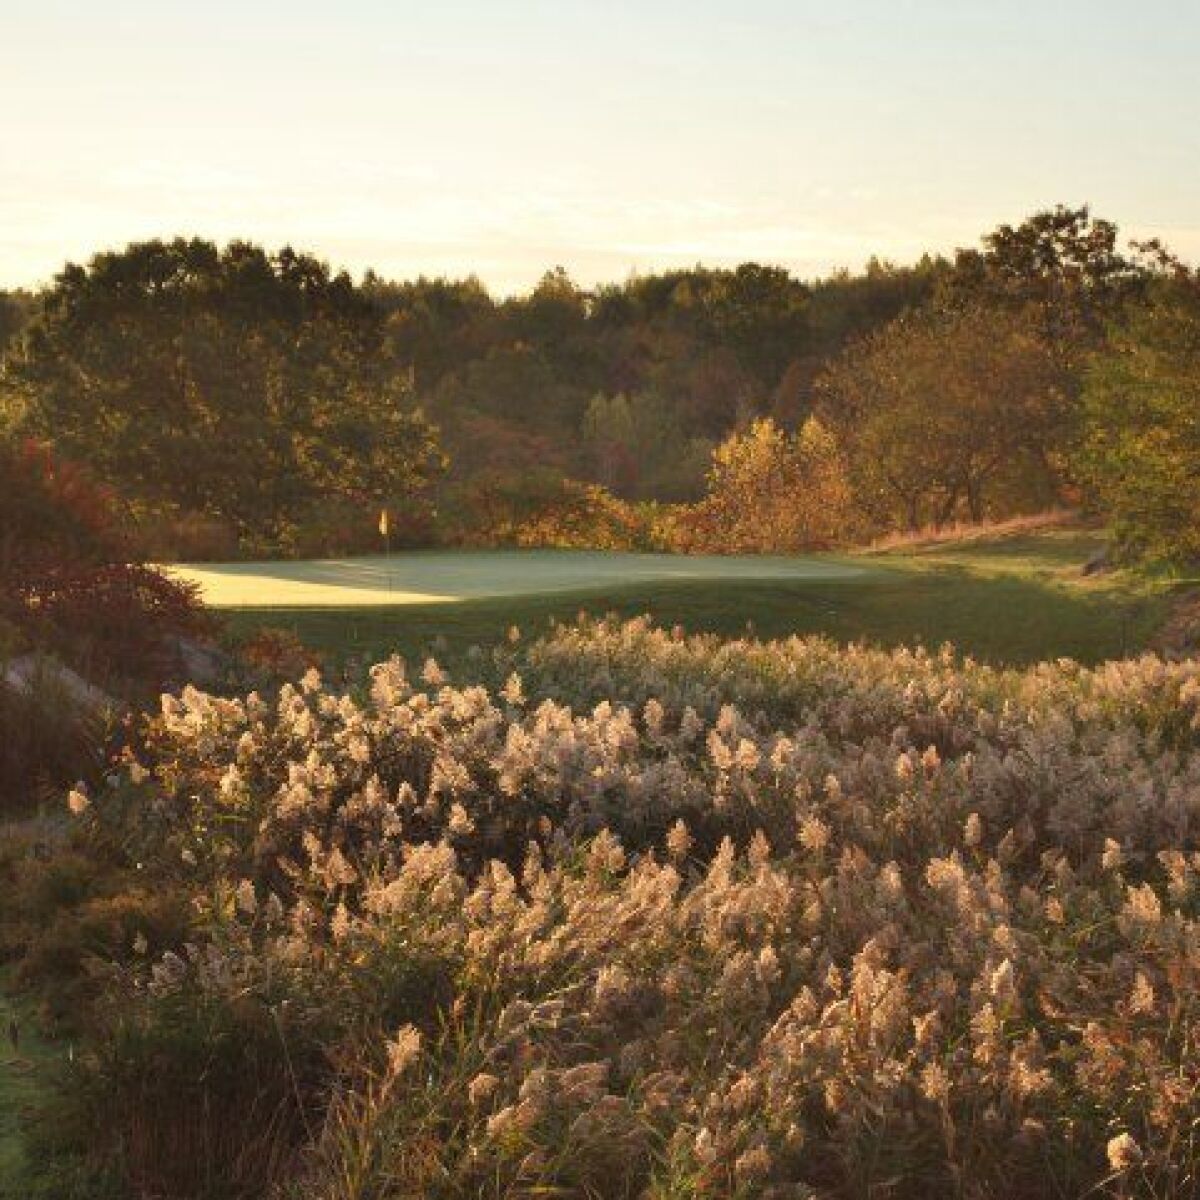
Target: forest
<point>240,402</point>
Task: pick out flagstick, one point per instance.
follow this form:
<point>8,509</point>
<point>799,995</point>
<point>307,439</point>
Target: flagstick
<point>385,528</point>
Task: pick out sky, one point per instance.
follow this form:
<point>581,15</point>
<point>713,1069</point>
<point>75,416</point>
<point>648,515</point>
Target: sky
<point>503,137</point>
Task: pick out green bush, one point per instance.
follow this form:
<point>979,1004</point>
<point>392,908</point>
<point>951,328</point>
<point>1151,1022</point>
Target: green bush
<point>1141,447</point>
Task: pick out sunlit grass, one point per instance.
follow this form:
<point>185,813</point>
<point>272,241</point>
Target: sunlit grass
<point>443,576</point>
<point>1013,600</point>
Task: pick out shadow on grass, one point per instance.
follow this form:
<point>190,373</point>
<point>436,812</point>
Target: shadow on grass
<point>1001,619</point>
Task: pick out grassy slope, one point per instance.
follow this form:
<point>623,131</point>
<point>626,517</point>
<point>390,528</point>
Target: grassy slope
<point>1010,600</point>
<point>22,1083</point>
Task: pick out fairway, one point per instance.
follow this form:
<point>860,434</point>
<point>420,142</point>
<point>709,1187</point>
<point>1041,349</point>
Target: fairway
<point>1007,600</point>
<point>445,576</point>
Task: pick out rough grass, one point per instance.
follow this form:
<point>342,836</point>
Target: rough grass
<point>1012,600</point>
<point>23,1071</point>
<point>982,531</point>
<point>661,917</point>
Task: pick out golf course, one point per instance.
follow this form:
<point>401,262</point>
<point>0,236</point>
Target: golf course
<point>1008,599</point>
<point>448,576</point>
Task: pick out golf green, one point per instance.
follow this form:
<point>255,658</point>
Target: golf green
<point>443,576</point>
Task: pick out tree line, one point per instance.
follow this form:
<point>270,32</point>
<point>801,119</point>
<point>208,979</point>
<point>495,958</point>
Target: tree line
<point>240,401</point>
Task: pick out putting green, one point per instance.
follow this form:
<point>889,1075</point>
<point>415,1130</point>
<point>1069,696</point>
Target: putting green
<point>432,576</point>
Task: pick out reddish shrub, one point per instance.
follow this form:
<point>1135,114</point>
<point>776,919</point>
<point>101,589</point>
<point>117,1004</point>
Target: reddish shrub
<point>72,582</point>
<point>277,653</point>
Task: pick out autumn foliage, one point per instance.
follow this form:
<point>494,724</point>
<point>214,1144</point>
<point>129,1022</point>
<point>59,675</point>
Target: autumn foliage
<point>541,508</point>
<point>70,578</point>
<point>772,492</point>
<point>247,402</point>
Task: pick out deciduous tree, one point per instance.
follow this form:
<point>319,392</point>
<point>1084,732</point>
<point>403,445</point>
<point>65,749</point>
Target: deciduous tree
<point>236,383</point>
<point>1141,445</point>
<point>941,412</point>
<point>772,492</point>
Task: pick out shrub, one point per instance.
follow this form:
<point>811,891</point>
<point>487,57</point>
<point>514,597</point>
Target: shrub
<point>781,920</point>
<point>106,918</point>
<point>174,536</point>
<point>273,654</point>
<point>334,527</point>
<point>72,583</point>
<point>546,509</point>
<point>49,738</point>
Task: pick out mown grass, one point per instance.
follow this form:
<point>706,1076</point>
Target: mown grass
<point>1010,601</point>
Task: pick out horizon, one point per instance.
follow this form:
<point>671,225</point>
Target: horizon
<point>359,274</point>
<point>609,141</point>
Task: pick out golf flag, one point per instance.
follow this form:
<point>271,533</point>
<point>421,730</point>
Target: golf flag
<point>383,523</point>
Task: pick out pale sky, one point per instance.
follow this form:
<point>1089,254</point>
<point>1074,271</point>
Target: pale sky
<point>502,137</point>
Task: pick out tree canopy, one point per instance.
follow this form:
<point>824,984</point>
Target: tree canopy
<point>284,402</point>
<point>1141,442</point>
<point>949,410</point>
<point>231,382</point>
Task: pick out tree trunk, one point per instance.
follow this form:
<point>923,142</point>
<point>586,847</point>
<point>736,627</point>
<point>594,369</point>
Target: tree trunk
<point>947,509</point>
<point>914,513</point>
<point>975,499</point>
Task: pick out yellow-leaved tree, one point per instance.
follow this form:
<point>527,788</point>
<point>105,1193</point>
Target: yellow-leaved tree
<point>771,491</point>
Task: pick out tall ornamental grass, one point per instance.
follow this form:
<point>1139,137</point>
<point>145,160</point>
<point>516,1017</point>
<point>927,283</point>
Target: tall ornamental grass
<point>662,917</point>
